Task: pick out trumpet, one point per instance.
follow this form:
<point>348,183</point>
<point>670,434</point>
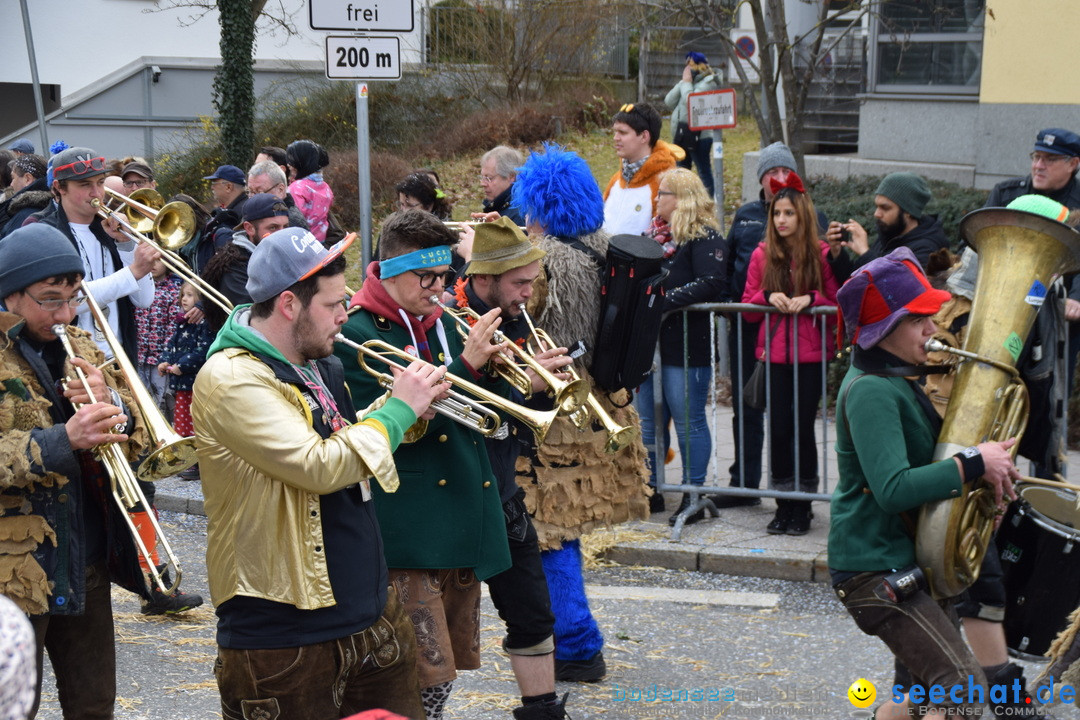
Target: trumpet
<point>480,412</point>
<point>569,395</point>
<point>170,227</point>
<point>125,488</point>
<point>618,436</point>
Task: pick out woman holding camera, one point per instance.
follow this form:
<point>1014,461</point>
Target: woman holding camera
<point>886,431</point>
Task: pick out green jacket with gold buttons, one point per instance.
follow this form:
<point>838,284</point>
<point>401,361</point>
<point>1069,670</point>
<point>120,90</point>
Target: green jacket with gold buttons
<point>446,512</point>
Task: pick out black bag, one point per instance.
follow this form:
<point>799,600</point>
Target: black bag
<point>753,393</point>
<point>631,305</point>
<point>684,137</point>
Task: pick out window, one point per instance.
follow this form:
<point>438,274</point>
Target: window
<point>927,47</point>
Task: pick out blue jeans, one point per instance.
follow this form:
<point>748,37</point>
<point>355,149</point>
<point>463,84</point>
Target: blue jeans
<point>701,155</point>
<point>685,391</point>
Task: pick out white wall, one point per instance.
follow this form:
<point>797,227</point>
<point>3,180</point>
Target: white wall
<point>79,41</point>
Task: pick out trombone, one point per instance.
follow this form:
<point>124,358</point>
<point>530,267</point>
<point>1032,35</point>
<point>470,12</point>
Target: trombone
<point>618,436</point>
<point>167,228</point>
<point>479,412</point>
<point>125,488</point>
<point>569,395</point>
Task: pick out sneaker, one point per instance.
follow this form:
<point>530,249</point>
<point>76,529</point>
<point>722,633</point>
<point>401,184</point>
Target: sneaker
<point>542,711</point>
<point>169,604</point>
<point>690,520</point>
<point>192,473</point>
<point>730,501</point>
<point>592,670</point>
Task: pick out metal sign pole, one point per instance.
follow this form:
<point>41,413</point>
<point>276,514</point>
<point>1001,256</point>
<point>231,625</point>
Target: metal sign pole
<point>718,175</point>
<point>34,78</point>
<point>363,174</point>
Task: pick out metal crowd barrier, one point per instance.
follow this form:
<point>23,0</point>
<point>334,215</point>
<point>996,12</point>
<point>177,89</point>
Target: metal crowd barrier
<point>721,364</point>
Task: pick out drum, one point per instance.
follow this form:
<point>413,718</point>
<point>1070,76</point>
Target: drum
<point>1039,543</point>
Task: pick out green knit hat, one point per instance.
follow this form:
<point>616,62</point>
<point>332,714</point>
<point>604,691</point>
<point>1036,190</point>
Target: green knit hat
<point>907,190</point>
<point>500,246</point>
<point>1040,205</point>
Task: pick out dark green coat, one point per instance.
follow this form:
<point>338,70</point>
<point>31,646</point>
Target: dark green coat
<point>446,513</point>
<point>884,443</point>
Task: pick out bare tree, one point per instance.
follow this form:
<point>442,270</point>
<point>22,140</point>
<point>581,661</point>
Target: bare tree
<point>786,64</point>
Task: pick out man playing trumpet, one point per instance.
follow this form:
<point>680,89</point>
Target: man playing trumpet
<point>443,530</point>
<point>62,538</point>
<point>294,555</point>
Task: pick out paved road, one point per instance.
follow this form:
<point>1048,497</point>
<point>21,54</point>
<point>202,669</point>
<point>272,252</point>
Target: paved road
<point>761,648</point>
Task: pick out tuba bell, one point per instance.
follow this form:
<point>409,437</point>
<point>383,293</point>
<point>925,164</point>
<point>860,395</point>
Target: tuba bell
<point>1021,255</point>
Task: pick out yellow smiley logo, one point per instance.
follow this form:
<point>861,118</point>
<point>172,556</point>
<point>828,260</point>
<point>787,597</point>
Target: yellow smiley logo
<point>862,693</point>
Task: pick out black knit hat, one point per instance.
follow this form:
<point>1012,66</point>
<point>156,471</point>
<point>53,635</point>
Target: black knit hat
<point>35,252</point>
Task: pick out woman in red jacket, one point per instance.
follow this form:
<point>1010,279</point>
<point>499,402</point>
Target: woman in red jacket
<point>790,272</point>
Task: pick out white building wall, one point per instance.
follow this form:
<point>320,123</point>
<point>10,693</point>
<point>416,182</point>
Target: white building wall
<point>77,42</point>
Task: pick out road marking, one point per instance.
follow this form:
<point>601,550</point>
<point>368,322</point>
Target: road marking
<point>692,597</point>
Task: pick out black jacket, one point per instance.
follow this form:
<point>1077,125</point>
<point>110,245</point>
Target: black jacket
<point>501,205</point>
<point>23,204</point>
<point>925,238</point>
<point>697,273</point>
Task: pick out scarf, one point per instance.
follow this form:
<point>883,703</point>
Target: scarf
<point>373,297</point>
<point>660,231</point>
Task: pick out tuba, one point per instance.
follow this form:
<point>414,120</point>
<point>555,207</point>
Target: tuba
<point>1021,255</point>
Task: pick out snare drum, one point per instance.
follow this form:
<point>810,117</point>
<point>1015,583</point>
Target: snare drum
<point>1039,543</point>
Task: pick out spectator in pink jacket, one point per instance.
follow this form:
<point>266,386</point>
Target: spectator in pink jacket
<point>790,271</point>
<point>312,195</point>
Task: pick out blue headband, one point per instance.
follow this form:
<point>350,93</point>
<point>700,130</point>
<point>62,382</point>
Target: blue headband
<point>428,257</point>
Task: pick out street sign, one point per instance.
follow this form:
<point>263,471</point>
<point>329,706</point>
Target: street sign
<point>363,58</point>
<point>711,110</point>
<point>368,15</point>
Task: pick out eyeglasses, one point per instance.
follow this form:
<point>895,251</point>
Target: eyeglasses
<point>1048,158</point>
<point>54,304</point>
<point>427,279</point>
<point>485,179</point>
<point>664,192</point>
<point>252,191</point>
<point>81,167</point>
<point>141,182</point>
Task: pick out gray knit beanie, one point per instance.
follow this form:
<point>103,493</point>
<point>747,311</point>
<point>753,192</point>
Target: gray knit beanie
<point>776,155</point>
<point>35,252</point>
<point>907,190</point>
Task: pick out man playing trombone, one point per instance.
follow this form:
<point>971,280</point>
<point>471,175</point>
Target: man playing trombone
<point>294,555</point>
<point>117,268</point>
<point>444,528</point>
<point>63,539</point>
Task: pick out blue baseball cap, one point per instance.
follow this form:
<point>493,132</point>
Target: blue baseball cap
<point>230,173</point>
<point>1058,141</point>
<point>23,146</point>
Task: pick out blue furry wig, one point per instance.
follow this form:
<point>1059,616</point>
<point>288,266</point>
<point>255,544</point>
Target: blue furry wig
<point>556,189</point>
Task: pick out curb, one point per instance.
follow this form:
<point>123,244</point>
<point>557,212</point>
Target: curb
<point>749,562</point>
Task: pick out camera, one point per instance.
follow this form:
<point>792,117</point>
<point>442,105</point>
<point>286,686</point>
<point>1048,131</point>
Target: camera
<point>155,73</point>
<point>845,235</point>
<point>902,584</point>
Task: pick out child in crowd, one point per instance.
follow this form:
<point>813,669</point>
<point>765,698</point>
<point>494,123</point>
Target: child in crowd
<point>184,355</point>
<point>155,325</point>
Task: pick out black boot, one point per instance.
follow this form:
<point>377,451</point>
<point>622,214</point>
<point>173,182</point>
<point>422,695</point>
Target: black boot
<point>592,670</point>
<point>683,504</point>
<point>656,501</point>
<point>1009,676</point>
<point>171,604</point>
<point>542,711</point>
<point>799,522</point>
<point>781,519</point>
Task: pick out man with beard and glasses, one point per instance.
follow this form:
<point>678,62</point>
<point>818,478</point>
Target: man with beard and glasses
<point>308,626</point>
<point>899,202</point>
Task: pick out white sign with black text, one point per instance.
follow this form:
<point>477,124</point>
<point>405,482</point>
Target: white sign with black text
<point>371,15</point>
<point>363,58</point>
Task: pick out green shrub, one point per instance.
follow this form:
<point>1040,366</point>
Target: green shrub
<point>853,198</point>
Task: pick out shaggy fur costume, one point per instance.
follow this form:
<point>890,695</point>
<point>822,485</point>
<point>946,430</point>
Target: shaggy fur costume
<point>572,486</point>
<point>579,637</point>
